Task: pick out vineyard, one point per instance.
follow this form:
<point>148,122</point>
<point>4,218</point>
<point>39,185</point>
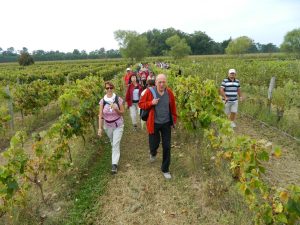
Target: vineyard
<point>60,174</point>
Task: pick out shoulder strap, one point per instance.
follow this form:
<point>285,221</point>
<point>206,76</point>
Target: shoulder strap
<point>104,102</point>
<point>153,92</point>
<point>116,101</point>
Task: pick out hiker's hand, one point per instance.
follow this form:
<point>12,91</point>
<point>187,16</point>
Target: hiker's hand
<point>225,99</point>
<point>155,101</point>
<point>115,107</point>
<point>100,132</point>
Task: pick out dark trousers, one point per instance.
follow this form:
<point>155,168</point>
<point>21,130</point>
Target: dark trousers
<point>154,140</point>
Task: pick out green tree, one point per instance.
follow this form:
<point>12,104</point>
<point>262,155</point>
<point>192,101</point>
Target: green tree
<point>239,45</point>
<point>76,52</point>
<point>179,47</point>
<point>201,43</point>
<point>25,59</point>
<point>157,39</point>
<point>24,49</point>
<point>132,45</point>
<point>224,45</point>
<point>291,42</point>
<point>268,48</point>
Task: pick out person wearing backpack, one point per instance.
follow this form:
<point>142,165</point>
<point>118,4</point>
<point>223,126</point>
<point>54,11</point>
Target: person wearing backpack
<point>162,116</point>
<point>111,119</point>
<point>133,94</point>
<point>150,84</point>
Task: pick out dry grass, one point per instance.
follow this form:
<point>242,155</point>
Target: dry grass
<point>285,170</point>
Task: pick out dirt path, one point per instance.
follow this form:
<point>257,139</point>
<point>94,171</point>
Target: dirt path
<point>286,169</point>
<point>139,194</point>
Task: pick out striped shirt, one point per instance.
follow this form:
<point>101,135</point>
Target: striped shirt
<point>231,89</point>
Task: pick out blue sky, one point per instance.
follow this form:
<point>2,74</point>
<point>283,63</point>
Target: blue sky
<point>89,24</point>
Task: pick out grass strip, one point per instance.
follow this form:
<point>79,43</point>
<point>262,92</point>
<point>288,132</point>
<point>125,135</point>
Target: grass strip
<point>87,197</point>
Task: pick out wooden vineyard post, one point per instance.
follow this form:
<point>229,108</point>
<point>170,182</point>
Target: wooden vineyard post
<point>271,87</point>
<point>10,108</point>
<point>68,79</point>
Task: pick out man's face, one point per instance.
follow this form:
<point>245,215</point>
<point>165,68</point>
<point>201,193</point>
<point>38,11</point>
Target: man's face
<point>231,76</point>
<point>161,83</point>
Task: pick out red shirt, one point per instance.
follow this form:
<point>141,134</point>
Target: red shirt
<point>146,104</point>
<point>127,78</point>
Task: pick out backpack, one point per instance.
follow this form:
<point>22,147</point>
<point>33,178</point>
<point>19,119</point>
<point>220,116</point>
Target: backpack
<point>144,114</point>
<point>116,101</point>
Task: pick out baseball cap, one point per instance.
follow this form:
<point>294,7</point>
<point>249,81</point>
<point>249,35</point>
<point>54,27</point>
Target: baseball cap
<point>128,69</point>
<point>232,71</point>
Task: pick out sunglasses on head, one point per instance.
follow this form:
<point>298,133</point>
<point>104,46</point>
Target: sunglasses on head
<point>109,88</point>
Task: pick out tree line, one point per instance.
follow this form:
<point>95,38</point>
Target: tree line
<point>12,55</point>
<point>199,42</point>
<point>175,43</point>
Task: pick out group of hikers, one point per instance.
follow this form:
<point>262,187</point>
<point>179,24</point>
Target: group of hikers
<point>150,93</point>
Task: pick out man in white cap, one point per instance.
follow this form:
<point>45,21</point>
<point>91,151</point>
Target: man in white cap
<point>127,77</point>
<point>230,91</point>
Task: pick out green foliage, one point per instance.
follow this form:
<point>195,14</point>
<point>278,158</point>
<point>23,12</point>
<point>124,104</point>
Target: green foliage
<point>11,174</point>
<point>246,156</point>
<point>291,43</point>
<point>198,101</point>
<point>30,98</point>
<point>239,45</point>
<point>132,45</point>
<point>200,107</point>
<point>179,47</point>
<point>268,48</point>
<point>201,43</point>
<point>50,151</point>
<point>25,59</point>
<point>4,117</point>
<point>286,97</point>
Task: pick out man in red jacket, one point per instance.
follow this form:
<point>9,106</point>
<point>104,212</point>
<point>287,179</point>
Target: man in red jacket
<point>162,116</point>
<point>127,77</point>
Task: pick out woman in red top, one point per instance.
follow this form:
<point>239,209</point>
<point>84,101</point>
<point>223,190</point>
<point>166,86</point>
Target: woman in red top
<point>133,94</point>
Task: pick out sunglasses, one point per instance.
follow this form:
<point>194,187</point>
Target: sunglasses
<point>109,88</point>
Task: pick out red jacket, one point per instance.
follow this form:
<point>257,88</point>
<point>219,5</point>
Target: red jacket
<point>146,104</point>
<point>129,93</point>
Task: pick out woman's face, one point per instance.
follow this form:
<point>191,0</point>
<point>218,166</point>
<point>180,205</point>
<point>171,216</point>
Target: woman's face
<point>133,78</point>
<point>109,89</point>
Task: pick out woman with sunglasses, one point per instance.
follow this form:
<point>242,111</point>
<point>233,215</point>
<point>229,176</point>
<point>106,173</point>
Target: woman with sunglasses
<point>111,112</point>
<point>133,94</point>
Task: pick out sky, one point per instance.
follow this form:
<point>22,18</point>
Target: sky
<point>88,25</point>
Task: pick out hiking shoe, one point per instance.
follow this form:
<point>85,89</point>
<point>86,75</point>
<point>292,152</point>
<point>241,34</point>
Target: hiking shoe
<point>152,158</point>
<point>233,125</point>
<point>135,127</point>
<point>167,175</point>
<point>114,168</point>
